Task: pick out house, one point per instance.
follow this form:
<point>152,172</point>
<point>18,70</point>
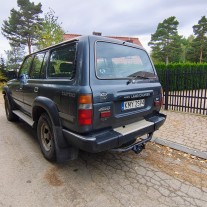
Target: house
<point>133,40</point>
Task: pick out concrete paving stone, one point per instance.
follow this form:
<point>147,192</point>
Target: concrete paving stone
<point>195,192</point>
<point>188,130</point>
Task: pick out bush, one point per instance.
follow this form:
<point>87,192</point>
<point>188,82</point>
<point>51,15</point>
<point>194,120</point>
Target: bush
<point>182,76</point>
<point>2,77</point>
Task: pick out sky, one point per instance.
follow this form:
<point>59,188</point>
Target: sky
<point>136,18</point>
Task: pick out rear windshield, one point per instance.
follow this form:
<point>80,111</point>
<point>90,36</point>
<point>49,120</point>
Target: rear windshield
<point>114,61</point>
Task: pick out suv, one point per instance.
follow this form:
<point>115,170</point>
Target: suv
<point>90,93</point>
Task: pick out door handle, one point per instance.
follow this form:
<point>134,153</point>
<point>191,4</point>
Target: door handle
<point>36,89</point>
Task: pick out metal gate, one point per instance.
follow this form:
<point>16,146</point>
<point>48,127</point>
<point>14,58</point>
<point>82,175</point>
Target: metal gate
<point>185,90</point>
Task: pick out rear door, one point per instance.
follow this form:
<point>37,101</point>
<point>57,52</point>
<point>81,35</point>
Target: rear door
<point>124,85</point>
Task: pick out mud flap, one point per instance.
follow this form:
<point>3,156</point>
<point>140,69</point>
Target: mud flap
<point>64,152</point>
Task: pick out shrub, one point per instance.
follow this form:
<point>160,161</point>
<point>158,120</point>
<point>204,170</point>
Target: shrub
<point>182,76</point>
<point>2,77</point>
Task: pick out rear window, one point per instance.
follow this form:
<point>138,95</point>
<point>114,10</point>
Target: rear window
<point>114,61</point>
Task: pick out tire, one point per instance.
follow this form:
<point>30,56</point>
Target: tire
<point>8,109</point>
<point>46,137</point>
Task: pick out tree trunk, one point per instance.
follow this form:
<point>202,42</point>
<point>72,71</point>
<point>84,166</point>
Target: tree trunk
<point>167,60</point>
<point>29,46</point>
<point>201,55</point>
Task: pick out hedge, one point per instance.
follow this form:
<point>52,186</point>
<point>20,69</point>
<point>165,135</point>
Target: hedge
<point>180,76</point>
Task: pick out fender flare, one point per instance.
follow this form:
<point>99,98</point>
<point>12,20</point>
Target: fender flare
<point>6,91</point>
<point>49,106</point>
<point>51,109</point>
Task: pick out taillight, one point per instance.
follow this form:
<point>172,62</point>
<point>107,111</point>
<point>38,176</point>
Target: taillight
<point>159,101</point>
<point>85,111</point>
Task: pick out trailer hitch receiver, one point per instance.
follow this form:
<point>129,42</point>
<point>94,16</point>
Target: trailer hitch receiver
<point>137,147</point>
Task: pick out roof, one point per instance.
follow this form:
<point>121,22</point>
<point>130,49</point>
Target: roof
<point>77,37</point>
<point>70,36</point>
<point>133,40</point>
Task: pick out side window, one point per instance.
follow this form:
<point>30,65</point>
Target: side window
<point>62,62</point>
<point>37,65</point>
<point>24,71</point>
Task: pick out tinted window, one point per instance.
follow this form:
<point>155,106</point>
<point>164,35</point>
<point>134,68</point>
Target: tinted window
<point>120,61</point>
<point>26,67</point>
<point>37,65</point>
<point>62,62</point>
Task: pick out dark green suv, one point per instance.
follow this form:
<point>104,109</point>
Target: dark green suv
<point>90,93</point>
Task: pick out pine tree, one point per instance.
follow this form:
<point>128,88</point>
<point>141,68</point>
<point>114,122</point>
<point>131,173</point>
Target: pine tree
<point>200,41</point>
<point>165,42</point>
<point>21,26</point>
<point>15,57</point>
<point>2,70</point>
<point>2,64</point>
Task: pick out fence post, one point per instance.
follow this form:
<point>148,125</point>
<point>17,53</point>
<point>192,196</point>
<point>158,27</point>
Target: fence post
<point>167,78</point>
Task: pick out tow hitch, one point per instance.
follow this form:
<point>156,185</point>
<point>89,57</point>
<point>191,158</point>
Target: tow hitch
<point>136,147</point>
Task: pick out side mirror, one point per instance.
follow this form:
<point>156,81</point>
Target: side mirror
<point>23,77</point>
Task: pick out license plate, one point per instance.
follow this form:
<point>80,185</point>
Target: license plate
<point>133,104</point>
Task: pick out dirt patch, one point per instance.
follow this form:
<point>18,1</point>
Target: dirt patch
<point>52,177</point>
<point>177,164</point>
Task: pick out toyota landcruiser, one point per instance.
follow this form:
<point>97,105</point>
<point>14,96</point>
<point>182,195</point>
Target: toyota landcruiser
<point>90,93</point>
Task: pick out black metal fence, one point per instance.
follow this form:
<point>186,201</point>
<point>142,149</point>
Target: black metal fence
<point>185,90</point>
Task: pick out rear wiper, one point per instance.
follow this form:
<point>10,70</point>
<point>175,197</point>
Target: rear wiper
<point>141,75</point>
<point>135,77</point>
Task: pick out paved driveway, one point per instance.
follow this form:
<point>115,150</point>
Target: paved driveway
<point>189,130</point>
<point>158,176</point>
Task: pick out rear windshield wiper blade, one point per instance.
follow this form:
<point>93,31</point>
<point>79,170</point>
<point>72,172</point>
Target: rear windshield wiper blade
<point>141,75</point>
<point>135,77</point>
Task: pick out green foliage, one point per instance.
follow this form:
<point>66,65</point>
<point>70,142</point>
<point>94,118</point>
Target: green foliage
<point>51,31</point>
<point>2,77</point>
<point>182,76</point>
<point>21,26</point>
<point>14,57</point>
<point>165,42</point>
<point>167,46</point>
<point>2,64</point>
<point>200,41</point>
<point>186,44</point>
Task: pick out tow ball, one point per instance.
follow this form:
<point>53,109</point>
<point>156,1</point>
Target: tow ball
<point>138,148</point>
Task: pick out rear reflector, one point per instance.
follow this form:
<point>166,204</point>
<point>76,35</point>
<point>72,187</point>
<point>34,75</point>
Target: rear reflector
<point>158,103</point>
<point>105,114</point>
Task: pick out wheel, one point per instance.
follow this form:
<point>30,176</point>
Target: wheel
<point>8,108</point>
<point>46,137</point>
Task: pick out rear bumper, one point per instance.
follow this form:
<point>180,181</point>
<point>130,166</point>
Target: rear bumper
<point>114,138</point>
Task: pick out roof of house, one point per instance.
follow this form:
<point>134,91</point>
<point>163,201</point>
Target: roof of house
<point>134,40</point>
